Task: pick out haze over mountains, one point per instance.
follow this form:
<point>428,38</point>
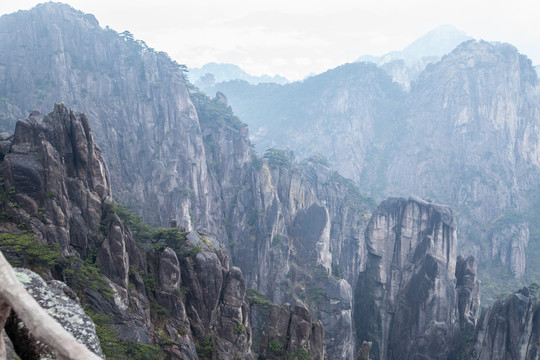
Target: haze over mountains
<point>282,254</point>
<point>462,135</point>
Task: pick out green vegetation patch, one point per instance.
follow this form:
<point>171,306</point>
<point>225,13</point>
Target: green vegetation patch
<point>24,250</point>
<point>275,347</point>
<point>277,157</point>
<point>300,354</point>
<point>206,347</point>
<point>117,349</point>
<point>255,298</point>
<point>214,113</point>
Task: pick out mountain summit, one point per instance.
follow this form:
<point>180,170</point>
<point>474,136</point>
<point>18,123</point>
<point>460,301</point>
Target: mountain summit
<point>436,43</point>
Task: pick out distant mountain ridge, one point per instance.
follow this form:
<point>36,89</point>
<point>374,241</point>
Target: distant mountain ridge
<point>436,43</point>
<point>228,72</point>
<point>404,66</point>
<point>464,134</point>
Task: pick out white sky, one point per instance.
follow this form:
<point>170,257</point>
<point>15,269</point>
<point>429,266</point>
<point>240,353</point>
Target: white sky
<point>297,37</point>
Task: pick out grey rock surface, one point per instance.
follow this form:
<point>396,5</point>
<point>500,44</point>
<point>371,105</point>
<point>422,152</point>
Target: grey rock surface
<point>509,329</point>
<point>406,300</point>
<point>66,311</point>
<point>290,332</point>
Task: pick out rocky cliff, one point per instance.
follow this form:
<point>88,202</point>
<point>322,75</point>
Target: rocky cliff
<point>135,99</point>
<point>465,135</point>
<point>58,217</point>
<point>509,329</point>
<point>408,301</point>
<point>171,160</point>
<point>294,229</point>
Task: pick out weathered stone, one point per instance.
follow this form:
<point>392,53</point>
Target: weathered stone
<point>509,329</point>
<point>407,303</point>
<point>63,309</point>
<point>291,332</point>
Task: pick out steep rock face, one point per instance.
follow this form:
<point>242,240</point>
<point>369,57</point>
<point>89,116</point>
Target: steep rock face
<point>55,179</point>
<point>466,135</point>
<point>135,98</point>
<point>343,103</point>
<point>168,165</point>
<point>290,333</point>
<point>509,329</point>
<point>468,292</point>
<point>406,299</point>
<point>284,219</point>
<point>479,108</point>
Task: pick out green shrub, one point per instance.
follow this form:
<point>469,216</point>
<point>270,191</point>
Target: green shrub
<point>300,354</point>
<point>239,328</point>
<point>24,250</point>
<point>275,347</point>
<point>89,277</point>
<point>119,349</point>
<point>277,157</point>
<point>255,298</point>
<point>206,347</point>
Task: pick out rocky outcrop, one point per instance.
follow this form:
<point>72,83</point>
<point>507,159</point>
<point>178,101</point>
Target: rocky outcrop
<point>468,292</point>
<point>285,219</point>
<point>55,179</point>
<point>151,294</point>
<point>406,300</point>
<point>509,329</point>
<point>55,298</point>
<point>291,333</point>
<point>335,313</point>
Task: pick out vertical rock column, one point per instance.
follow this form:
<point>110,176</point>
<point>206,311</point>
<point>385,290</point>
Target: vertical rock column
<point>406,299</point>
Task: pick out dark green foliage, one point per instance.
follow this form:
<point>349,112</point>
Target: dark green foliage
<point>149,282</point>
<point>157,309</point>
<point>357,200</point>
<point>24,250</point>
<point>277,157</point>
<point>142,232</point>
<point>89,277</point>
<point>275,347</point>
<point>337,271</point>
<point>206,347</point>
<point>255,160</point>
<point>239,328</point>
<point>277,240</point>
<point>300,354</point>
<point>214,113</point>
<point>116,349</point>
<point>145,235</point>
<point>319,159</point>
<point>255,298</point>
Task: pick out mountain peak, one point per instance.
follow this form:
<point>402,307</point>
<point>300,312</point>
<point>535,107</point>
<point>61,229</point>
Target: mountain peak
<point>57,10</point>
<point>435,43</point>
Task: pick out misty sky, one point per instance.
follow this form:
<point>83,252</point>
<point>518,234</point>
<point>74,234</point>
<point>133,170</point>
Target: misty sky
<point>297,37</point>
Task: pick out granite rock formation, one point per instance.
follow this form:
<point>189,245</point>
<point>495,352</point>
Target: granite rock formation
<point>509,329</point>
<point>291,332</point>
<point>54,297</point>
<point>465,134</point>
<point>56,188</point>
<point>407,303</point>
